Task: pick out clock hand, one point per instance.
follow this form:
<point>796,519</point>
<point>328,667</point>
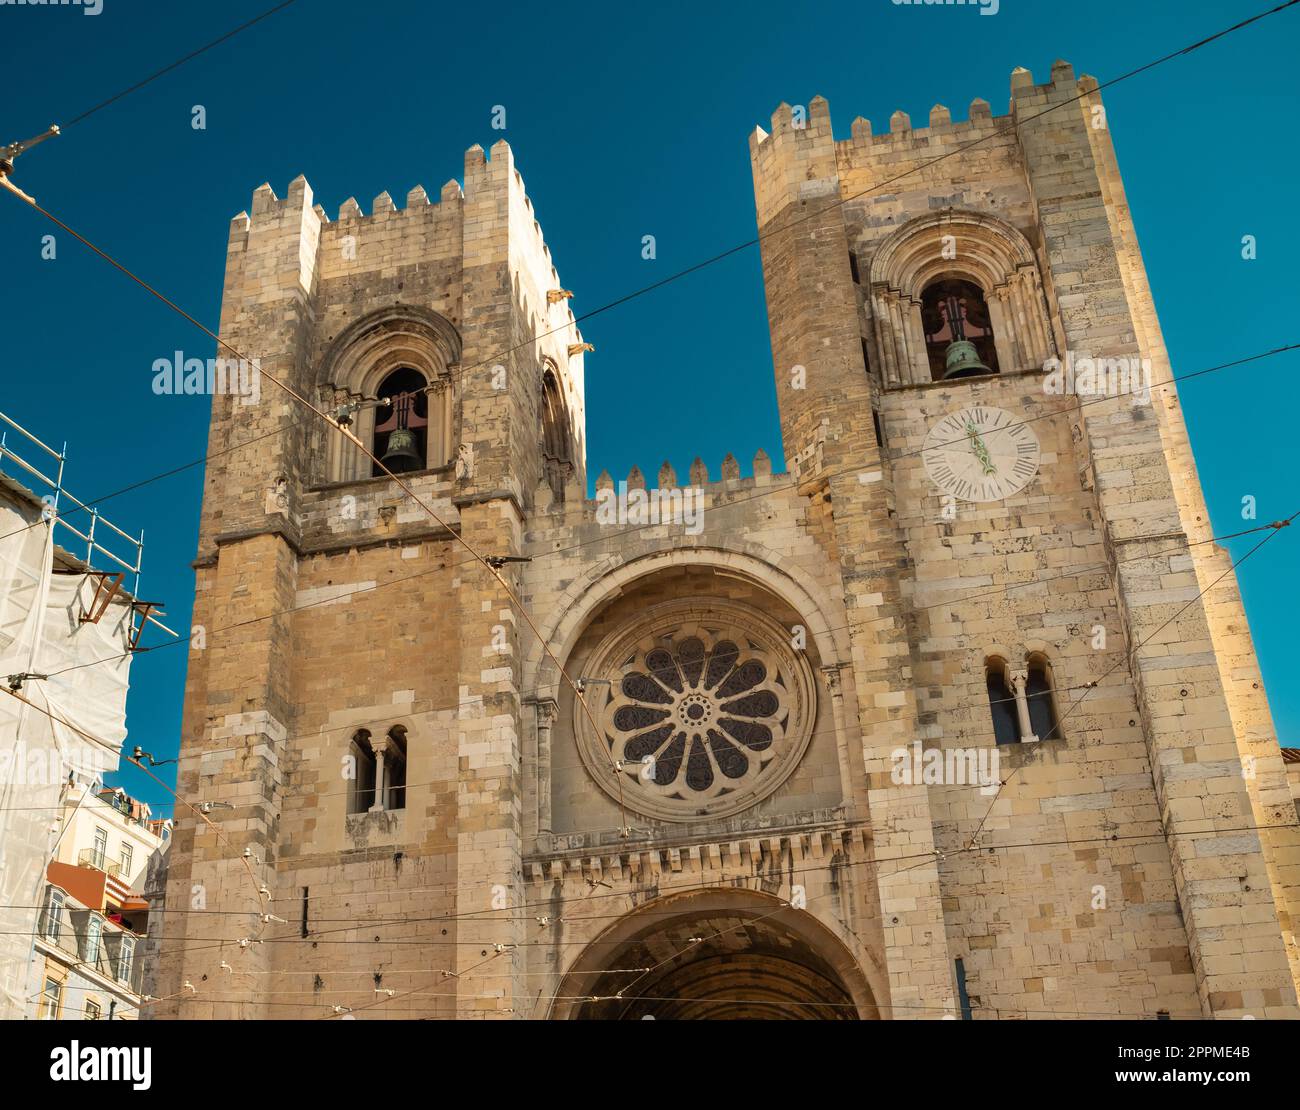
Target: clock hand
<point>981,450</point>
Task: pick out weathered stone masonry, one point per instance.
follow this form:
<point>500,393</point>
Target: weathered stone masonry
<point>1142,859</point>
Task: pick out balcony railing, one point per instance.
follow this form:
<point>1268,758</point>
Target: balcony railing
<point>68,932</point>
<point>122,808</point>
<point>93,857</point>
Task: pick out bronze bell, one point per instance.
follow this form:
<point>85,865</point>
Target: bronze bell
<point>402,453</point>
<point>961,360</point>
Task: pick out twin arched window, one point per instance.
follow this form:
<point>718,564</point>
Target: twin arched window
<point>378,766</point>
<point>1022,701</point>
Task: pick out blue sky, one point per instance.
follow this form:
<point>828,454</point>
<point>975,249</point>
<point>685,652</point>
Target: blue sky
<point>624,124</point>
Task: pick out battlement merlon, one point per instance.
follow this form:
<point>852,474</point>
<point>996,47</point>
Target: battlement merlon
<point>284,246</point>
<point>800,159</point>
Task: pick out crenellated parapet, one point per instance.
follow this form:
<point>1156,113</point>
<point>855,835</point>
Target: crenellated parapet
<point>358,241</point>
<point>800,158</point>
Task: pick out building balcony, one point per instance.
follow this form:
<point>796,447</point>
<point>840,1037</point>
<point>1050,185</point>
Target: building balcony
<point>87,942</point>
<point>92,857</point>
<point>94,882</point>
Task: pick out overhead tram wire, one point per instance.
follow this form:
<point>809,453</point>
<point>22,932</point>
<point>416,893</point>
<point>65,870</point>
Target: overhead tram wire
<point>926,857</point>
<point>757,495</point>
<point>95,502</point>
<point>1127,656</point>
<point>505,585</point>
<point>294,395</point>
<point>757,240</point>
<point>983,1009</point>
<point>176,64</point>
<point>972,844</point>
<point>11,151</point>
<point>97,740</point>
<point>598,540</point>
<point>502,950</point>
<point>1241,24</point>
<point>1074,572</point>
<point>319,936</point>
<point>620,995</point>
<point>961,149</point>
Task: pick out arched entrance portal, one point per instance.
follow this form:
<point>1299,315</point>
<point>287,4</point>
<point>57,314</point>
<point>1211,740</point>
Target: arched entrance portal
<point>716,954</point>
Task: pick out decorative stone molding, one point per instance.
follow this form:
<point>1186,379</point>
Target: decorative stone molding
<point>708,710</point>
<point>969,245</point>
<point>358,361</point>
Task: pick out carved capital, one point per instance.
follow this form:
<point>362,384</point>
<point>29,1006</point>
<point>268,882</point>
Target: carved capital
<point>547,710</point>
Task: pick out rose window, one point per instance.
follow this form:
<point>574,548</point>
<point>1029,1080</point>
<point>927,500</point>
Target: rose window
<point>704,713</point>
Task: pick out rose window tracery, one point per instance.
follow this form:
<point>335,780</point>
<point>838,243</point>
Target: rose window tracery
<point>707,709</point>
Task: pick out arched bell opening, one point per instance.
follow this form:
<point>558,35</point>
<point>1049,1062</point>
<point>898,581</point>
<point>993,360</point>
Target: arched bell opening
<point>402,422</point>
<point>959,340</point>
<point>716,955</point>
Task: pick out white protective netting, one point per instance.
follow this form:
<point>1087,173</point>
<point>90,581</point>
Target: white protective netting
<point>41,633</point>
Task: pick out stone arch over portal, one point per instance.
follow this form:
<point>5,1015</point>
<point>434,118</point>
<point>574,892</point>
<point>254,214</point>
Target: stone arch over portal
<point>606,580</point>
<point>732,954</point>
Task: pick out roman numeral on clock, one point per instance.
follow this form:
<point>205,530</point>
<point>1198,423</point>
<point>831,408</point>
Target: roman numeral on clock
<point>990,472</point>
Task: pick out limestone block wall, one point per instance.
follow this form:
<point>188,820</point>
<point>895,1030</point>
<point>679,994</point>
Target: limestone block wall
<point>333,606</point>
<point>1121,555</point>
<point>576,897</point>
<point>1111,870</point>
<point>1066,905</point>
<point>575,553</point>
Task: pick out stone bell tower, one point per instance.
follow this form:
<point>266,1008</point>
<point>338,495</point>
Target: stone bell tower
<point>352,708</point>
<point>403,807</point>
<point>1075,567</point>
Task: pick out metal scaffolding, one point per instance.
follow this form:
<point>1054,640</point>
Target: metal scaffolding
<point>113,554</point>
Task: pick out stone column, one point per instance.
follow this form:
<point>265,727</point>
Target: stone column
<point>379,745</point>
<point>831,675</point>
<point>1018,680</point>
<point>547,710</point>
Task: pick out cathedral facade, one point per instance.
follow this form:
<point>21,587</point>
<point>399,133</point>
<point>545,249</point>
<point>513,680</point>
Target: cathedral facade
<point>957,717</point>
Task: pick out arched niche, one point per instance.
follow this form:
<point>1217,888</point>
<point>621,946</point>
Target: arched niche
<point>957,245</point>
<point>742,954</point>
<point>363,357</point>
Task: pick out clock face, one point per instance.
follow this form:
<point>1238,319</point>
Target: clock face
<point>981,454</point>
